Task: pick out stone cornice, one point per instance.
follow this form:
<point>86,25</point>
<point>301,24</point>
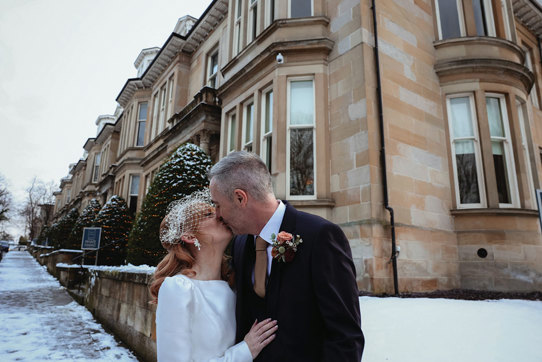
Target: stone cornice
<point>529,13</point>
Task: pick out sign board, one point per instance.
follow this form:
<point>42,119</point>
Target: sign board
<point>91,238</point>
<point>539,203</point>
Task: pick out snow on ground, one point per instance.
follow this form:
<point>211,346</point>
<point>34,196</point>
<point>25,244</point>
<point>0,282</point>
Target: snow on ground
<point>130,268</point>
<point>431,330</point>
<point>40,321</point>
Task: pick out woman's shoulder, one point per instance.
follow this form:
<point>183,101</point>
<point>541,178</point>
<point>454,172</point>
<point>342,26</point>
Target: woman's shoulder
<point>177,283</point>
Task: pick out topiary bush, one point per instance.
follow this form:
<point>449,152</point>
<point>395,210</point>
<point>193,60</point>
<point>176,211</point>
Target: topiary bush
<point>115,220</point>
<point>184,172</point>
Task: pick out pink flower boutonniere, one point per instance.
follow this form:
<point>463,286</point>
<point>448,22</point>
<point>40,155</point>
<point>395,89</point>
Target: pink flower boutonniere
<point>284,246</point>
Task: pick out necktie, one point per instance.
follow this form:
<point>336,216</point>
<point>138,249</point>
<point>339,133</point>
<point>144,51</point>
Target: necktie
<point>260,267</point>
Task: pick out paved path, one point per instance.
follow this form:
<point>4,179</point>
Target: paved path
<point>39,321</point>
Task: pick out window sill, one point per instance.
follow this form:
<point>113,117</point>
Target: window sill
<point>494,212</point>
<point>312,203</point>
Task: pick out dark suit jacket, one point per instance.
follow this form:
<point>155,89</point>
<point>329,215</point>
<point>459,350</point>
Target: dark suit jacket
<point>314,298</point>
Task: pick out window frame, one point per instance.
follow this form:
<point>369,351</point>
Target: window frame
<point>231,131</point>
<point>509,149</point>
<point>477,152</point>
<point>460,15</point>
<point>248,146</point>
<point>138,127</point>
<point>253,20</point>
<point>237,27</point>
<point>523,123</point>
<point>266,138</point>
<point>269,12</point>
<point>132,195</point>
<point>171,87</point>
<point>212,77</point>
<point>96,168</point>
<point>289,127</point>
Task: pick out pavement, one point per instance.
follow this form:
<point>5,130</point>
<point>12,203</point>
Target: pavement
<point>40,321</point>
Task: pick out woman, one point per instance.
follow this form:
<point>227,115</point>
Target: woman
<point>195,316</point>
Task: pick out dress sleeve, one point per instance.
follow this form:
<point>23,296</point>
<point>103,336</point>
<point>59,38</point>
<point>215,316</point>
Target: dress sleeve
<point>174,325</point>
<point>173,320</point>
<point>236,353</point>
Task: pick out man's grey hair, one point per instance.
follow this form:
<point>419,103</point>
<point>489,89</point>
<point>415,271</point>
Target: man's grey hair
<point>242,170</point>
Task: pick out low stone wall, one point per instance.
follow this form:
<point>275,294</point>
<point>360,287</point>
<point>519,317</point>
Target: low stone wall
<point>120,301</point>
<point>118,297</point>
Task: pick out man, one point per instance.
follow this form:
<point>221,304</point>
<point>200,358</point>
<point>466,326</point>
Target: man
<point>312,293</point>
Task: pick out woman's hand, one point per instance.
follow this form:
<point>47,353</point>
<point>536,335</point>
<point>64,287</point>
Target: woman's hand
<point>260,335</point>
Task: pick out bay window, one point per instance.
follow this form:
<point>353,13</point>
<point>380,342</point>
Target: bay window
<point>171,94</point>
<point>465,146</point>
<point>155,107</point>
<point>459,18</point>
<point>162,117</point>
<point>525,148</point>
<point>300,141</point>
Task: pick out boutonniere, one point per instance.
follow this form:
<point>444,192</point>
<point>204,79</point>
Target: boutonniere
<point>285,246</point>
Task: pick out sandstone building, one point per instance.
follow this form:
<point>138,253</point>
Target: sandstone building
<point>423,143</point>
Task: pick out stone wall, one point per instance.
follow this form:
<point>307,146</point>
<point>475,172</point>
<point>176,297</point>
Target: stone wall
<point>120,301</point>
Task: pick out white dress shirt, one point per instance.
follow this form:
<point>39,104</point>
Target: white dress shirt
<point>272,227</point>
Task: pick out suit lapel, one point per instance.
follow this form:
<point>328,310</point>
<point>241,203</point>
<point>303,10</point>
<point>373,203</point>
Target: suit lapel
<point>272,292</point>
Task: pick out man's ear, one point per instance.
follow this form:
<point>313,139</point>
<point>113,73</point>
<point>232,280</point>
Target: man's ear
<point>240,197</point>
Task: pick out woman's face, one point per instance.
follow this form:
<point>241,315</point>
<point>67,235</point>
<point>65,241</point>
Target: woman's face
<point>212,229</point>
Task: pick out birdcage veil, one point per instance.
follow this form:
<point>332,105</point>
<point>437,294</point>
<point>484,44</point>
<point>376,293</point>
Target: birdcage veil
<point>184,216</point>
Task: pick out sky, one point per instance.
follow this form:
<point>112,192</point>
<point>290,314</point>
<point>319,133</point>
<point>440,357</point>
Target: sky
<point>62,64</point>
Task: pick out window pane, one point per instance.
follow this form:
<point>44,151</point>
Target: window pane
<point>449,19</point>
<point>268,150</point>
<point>143,111</point>
<point>300,8</point>
<point>478,9</point>
<point>248,123</point>
<point>494,115</point>
<point>301,103</point>
<point>461,117</point>
<point>467,176</point>
<point>239,4</point>
<point>499,162</point>
<point>268,112</point>
<point>233,128</point>
<point>301,162</point>
<point>134,185</point>
<point>141,133</point>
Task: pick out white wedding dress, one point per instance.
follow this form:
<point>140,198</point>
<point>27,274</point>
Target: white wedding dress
<point>195,321</point>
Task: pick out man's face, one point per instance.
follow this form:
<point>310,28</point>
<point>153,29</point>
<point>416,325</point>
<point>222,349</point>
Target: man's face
<point>228,211</point>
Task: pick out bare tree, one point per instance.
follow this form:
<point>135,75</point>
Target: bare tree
<point>5,201</point>
<point>37,194</point>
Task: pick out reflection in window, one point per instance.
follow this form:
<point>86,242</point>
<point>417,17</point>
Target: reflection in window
<point>96,170</point>
<point>448,16</point>
<point>134,191</point>
<point>212,70</point>
<point>483,17</point>
<point>500,147</point>
<point>301,138</point>
<point>141,121</point>
<point>300,8</point>
<point>267,128</point>
<point>464,145</point>
<point>248,123</point>
<point>232,130</point>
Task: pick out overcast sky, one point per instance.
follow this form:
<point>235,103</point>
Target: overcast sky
<point>62,64</point>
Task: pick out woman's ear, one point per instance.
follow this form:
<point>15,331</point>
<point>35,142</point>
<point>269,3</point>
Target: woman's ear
<point>188,238</point>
